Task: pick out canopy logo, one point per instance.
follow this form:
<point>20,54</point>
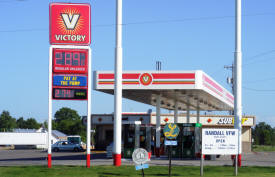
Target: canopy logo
<point>146,79</point>
<point>70,23</point>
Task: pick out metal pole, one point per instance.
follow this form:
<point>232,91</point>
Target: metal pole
<point>50,111</point>
<point>142,171</point>
<point>201,164</point>
<point>118,86</point>
<point>238,77</point>
<point>158,127</point>
<point>88,162</point>
<point>170,160</point>
<point>236,165</point>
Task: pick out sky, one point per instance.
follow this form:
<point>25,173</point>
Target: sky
<point>182,34</point>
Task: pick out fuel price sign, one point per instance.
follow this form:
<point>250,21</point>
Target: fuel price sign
<point>70,61</point>
<point>69,94</point>
<point>70,73</point>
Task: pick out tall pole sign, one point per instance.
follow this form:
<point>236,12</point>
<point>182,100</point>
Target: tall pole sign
<point>70,60</point>
<point>238,78</point>
<point>118,86</point>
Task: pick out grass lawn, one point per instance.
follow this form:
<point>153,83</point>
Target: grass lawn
<point>263,148</point>
<point>111,171</point>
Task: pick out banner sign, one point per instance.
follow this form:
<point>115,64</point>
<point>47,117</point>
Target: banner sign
<point>220,141</point>
<point>70,23</point>
<point>70,80</point>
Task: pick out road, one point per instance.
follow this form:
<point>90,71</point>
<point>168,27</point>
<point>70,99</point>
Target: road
<point>38,157</point>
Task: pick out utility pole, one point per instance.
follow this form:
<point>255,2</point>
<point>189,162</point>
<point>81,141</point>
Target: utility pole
<point>230,81</point>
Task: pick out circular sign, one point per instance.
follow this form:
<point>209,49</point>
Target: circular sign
<point>171,131</point>
<point>140,156</point>
<point>146,79</point>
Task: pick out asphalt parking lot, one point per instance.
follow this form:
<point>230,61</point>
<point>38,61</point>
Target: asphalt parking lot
<point>39,157</point>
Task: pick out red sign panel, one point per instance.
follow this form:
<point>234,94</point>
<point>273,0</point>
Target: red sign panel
<point>70,61</point>
<point>70,23</point>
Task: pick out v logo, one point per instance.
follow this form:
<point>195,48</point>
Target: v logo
<point>70,20</point>
<point>145,78</point>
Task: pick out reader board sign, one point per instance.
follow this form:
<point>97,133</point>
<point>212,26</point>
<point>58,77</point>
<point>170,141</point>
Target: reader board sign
<point>219,141</point>
<point>70,23</point>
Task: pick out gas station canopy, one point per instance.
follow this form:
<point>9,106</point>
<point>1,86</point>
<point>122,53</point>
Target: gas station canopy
<point>193,89</point>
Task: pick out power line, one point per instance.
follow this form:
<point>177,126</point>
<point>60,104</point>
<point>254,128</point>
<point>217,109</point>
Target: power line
<point>262,80</point>
<point>12,1</point>
<point>259,90</point>
<point>261,54</point>
<point>146,22</point>
<point>24,30</point>
<point>258,56</point>
<point>267,59</point>
<point>196,18</point>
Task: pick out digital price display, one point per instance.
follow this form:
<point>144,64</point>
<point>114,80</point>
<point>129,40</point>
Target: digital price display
<point>69,94</point>
<point>70,80</point>
<point>70,61</point>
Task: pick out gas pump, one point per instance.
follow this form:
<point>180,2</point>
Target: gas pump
<point>188,141</point>
<point>135,136</point>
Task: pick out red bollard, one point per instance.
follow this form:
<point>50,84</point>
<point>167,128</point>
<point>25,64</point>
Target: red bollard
<point>117,159</point>
<point>88,162</point>
<point>49,160</point>
<point>240,160</point>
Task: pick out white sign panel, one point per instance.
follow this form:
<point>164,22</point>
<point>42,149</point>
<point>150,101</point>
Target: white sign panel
<point>219,141</point>
<point>23,138</point>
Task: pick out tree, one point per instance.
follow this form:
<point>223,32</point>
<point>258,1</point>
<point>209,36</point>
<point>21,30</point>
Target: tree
<point>6,121</point>
<point>30,123</point>
<point>69,122</point>
<point>263,134</point>
<point>20,123</point>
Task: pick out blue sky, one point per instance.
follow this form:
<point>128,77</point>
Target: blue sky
<point>182,34</point>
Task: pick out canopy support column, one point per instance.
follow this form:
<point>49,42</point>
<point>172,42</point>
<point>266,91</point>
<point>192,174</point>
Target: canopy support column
<point>188,113</point>
<point>198,113</point>
<point>198,133</point>
<point>176,116</point>
<point>157,151</point>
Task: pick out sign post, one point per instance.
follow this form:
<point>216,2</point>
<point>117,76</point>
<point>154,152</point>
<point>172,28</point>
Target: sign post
<point>70,60</point>
<point>171,132</point>
<point>140,156</point>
